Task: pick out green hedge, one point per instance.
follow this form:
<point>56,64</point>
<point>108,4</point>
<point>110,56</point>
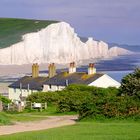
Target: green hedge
<point>91,102</point>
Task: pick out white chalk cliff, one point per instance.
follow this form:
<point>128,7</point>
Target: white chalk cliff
<point>56,43</point>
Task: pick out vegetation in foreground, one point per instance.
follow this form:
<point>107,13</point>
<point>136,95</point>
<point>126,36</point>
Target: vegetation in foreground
<point>90,102</point>
<point>4,119</point>
<point>84,130</point>
<point>97,103</point>
<point>8,118</point>
<point>11,30</point>
<point>11,118</point>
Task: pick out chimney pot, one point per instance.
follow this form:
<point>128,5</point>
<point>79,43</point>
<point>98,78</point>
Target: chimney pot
<point>72,68</point>
<point>35,70</point>
<point>91,69</point>
<point>52,70</point>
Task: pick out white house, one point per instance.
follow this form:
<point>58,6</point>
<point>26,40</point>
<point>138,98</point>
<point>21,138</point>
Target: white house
<point>55,82</point>
<point>27,85</point>
<point>61,80</point>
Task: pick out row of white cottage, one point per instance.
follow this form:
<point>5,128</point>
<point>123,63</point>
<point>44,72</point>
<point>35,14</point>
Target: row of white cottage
<point>20,89</point>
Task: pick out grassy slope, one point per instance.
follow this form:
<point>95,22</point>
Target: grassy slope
<point>84,131</point>
<point>11,30</point>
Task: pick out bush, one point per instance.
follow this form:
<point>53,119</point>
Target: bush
<point>91,102</point>
<point>42,97</point>
<point>111,106</point>
<point>72,101</point>
<point>130,84</point>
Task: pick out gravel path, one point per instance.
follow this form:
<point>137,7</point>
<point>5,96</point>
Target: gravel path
<point>50,122</point>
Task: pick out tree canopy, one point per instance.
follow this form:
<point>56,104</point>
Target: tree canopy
<point>130,84</point>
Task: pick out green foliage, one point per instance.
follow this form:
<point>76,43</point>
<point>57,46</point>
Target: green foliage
<point>4,99</point>
<point>12,30</point>
<point>4,119</point>
<point>72,101</point>
<point>130,84</point>
<point>42,97</point>
<point>91,102</point>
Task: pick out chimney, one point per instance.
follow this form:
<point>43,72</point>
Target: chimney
<point>72,68</point>
<point>91,69</point>
<point>35,70</point>
<point>52,70</point>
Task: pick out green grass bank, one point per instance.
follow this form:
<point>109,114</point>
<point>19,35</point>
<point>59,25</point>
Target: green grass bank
<point>90,130</point>
<point>11,29</point>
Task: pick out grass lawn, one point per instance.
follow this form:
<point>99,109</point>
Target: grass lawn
<point>84,131</point>
<point>51,111</point>
<point>9,118</point>
<point>25,117</point>
<point>11,29</point>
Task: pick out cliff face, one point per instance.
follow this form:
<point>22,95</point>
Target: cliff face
<point>56,43</point>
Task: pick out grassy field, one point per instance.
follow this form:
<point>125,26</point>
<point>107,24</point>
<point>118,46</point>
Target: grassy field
<point>7,118</point>
<point>11,30</point>
<point>84,131</point>
<point>51,111</point>
<point>4,119</point>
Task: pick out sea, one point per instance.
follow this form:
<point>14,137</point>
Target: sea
<point>117,67</point>
<point>120,66</point>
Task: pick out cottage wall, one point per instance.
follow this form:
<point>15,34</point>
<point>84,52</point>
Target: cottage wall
<point>47,88</point>
<point>105,81</point>
<point>15,93</point>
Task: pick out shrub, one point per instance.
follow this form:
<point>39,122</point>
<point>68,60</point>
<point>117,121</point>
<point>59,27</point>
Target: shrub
<point>130,84</point>
<point>4,99</point>
<point>91,102</point>
<point>72,100</point>
<point>42,97</point>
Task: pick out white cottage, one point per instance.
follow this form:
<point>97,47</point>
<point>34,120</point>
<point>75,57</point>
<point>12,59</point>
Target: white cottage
<point>27,85</point>
<point>56,82</point>
<point>61,80</point>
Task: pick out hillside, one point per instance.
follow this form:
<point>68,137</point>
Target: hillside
<point>11,30</point>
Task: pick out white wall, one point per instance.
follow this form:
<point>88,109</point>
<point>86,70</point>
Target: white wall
<point>47,88</point>
<point>105,81</point>
<point>14,93</point>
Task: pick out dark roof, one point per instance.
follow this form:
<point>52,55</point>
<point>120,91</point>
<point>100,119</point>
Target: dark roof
<point>34,83</point>
<point>74,78</point>
<point>60,79</point>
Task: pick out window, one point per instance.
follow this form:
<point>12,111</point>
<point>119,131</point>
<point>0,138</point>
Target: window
<point>15,90</point>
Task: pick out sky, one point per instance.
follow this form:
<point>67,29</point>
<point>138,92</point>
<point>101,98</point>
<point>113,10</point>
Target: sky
<point>116,21</point>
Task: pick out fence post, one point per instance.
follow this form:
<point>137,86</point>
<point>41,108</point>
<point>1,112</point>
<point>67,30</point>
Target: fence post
<point>45,107</point>
<point>31,106</point>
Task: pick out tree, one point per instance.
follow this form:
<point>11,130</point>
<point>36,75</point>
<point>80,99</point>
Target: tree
<point>130,84</point>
